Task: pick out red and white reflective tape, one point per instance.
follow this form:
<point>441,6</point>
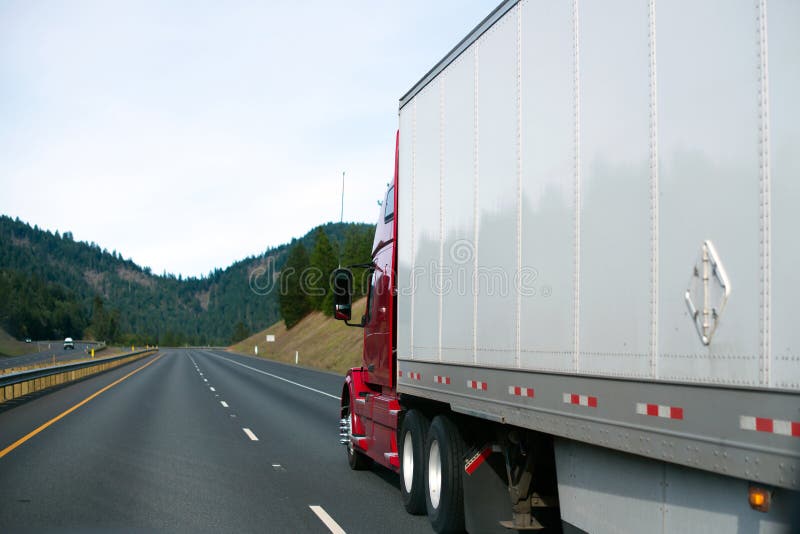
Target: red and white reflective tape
<point>476,384</point>
<point>441,379</point>
<point>414,376</point>
<point>580,400</point>
<point>771,426</point>
<point>400,373</point>
<point>475,460</point>
<point>659,410</point>
<point>519,391</point>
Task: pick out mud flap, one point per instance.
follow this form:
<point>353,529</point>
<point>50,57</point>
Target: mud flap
<point>486,501</point>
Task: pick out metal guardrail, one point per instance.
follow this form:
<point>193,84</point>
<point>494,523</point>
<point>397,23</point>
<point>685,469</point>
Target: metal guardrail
<point>14,385</point>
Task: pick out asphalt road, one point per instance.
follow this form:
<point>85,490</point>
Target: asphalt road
<point>194,441</point>
<point>46,351</point>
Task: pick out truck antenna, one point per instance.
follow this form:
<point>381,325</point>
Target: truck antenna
<point>341,220</point>
<point>341,217</point>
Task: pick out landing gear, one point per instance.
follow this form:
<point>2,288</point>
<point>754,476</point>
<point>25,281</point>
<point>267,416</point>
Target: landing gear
<point>413,436</point>
<point>532,482</point>
<point>444,495</point>
<point>519,468</point>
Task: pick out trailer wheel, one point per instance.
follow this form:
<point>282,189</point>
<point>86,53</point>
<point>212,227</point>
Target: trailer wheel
<point>413,436</point>
<point>356,459</point>
<point>444,495</point>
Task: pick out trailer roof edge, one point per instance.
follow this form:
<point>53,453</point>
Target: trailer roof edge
<point>471,37</point>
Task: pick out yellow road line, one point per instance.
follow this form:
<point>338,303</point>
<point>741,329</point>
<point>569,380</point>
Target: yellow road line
<point>28,436</point>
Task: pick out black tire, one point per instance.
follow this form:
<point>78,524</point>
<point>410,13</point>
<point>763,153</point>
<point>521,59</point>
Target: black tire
<point>357,460</point>
<point>444,453</point>
<point>413,434</point>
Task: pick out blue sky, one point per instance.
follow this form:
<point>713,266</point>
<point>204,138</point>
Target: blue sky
<point>188,135</point>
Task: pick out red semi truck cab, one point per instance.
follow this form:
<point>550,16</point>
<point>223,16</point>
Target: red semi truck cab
<point>369,401</point>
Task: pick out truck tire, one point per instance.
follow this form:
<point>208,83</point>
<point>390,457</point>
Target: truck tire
<point>413,437</point>
<point>444,488</point>
<point>357,460</point>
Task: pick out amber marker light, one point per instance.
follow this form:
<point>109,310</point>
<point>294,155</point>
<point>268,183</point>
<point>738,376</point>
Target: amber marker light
<point>759,498</point>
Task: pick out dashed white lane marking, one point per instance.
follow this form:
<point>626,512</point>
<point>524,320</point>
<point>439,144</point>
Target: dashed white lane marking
<point>211,388</point>
<point>250,434</point>
<point>332,525</point>
<point>205,380</point>
<point>224,404</point>
<point>279,378</point>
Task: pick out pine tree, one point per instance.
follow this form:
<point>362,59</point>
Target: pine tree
<point>293,297</point>
<point>358,250</point>
<point>323,261</point>
<point>240,332</point>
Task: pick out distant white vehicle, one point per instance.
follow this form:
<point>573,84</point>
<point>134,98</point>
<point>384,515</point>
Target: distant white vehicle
<point>69,344</point>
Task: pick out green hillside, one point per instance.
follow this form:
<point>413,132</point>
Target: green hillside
<point>52,286</point>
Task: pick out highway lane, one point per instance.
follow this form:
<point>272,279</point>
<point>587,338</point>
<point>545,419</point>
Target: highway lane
<point>46,351</point>
<point>166,449</point>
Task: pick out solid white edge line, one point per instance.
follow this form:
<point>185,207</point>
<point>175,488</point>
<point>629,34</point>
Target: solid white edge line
<point>278,377</point>
<point>332,525</point>
<point>224,404</point>
<point>250,434</point>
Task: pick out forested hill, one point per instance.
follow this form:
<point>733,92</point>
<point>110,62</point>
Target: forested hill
<point>52,286</point>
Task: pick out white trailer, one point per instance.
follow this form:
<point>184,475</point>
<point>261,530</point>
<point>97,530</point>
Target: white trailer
<point>596,244</point>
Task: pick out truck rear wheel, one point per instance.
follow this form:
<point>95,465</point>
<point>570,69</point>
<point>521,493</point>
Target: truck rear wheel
<point>444,495</point>
<point>413,437</point>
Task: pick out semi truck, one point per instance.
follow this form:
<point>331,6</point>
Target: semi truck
<point>581,297</point>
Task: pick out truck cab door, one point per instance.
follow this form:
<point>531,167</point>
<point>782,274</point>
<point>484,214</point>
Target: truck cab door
<point>378,334</point>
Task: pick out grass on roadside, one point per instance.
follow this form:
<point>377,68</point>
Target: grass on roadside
<point>10,346</point>
<point>321,342</point>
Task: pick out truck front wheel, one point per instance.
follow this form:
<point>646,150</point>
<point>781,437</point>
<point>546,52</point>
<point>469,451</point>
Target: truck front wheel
<point>356,459</point>
<point>444,495</point>
<point>413,436</point>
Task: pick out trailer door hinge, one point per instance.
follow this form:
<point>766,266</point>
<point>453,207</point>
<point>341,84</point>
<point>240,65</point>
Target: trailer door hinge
<point>708,292</point>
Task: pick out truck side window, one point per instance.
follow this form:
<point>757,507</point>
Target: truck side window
<point>389,203</point>
<point>370,297</point>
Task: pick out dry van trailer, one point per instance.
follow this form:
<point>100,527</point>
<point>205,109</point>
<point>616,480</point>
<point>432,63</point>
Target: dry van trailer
<point>596,217</point>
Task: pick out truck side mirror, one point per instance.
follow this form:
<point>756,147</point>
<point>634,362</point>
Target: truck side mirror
<point>342,294</point>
